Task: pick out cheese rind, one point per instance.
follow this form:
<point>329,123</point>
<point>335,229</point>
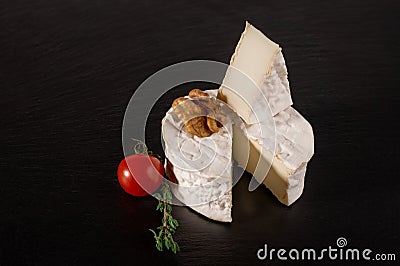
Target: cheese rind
<point>284,170</point>
<point>202,166</point>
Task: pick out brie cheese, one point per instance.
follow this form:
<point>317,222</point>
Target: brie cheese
<point>263,133</point>
<point>277,159</point>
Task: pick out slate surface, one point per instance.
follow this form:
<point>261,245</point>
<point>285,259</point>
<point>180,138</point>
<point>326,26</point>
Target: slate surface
<point>69,68</point>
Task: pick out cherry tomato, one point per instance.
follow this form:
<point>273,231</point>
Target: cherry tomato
<point>140,174</point>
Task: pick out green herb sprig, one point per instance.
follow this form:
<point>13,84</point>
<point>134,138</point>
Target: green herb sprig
<point>164,239</point>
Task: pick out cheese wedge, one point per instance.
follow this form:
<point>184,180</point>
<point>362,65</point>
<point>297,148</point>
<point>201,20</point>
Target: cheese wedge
<point>257,88</point>
<point>262,63</point>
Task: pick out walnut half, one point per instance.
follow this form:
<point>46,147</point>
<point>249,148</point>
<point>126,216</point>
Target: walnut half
<point>198,115</point>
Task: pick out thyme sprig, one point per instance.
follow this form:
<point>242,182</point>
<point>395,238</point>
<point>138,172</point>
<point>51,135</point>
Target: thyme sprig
<point>164,237</point>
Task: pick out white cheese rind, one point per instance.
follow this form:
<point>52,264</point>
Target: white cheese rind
<point>202,166</point>
<point>284,170</point>
<point>215,193</point>
<point>275,85</point>
<point>293,137</point>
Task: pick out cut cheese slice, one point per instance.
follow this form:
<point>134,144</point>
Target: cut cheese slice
<point>257,88</point>
<point>257,71</point>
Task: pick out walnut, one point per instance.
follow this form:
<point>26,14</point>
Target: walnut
<point>212,124</point>
<point>213,110</point>
<point>186,109</point>
<point>198,126</point>
<point>177,101</point>
<point>199,115</point>
<point>211,107</point>
<point>197,93</point>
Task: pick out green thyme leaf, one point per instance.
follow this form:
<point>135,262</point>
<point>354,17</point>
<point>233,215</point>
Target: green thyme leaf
<point>167,243</point>
<point>154,233</point>
<point>172,224</point>
<point>157,195</point>
<point>175,222</point>
<point>159,246</point>
<point>176,246</point>
<point>169,195</point>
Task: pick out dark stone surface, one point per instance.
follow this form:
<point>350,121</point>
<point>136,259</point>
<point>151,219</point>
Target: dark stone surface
<point>69,68</point>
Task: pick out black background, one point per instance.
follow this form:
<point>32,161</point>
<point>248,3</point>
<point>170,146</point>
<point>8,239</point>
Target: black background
<point>69,68</point>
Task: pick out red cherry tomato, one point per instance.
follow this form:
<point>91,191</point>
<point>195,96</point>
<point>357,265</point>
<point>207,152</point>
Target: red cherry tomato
<point>140,174</point>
